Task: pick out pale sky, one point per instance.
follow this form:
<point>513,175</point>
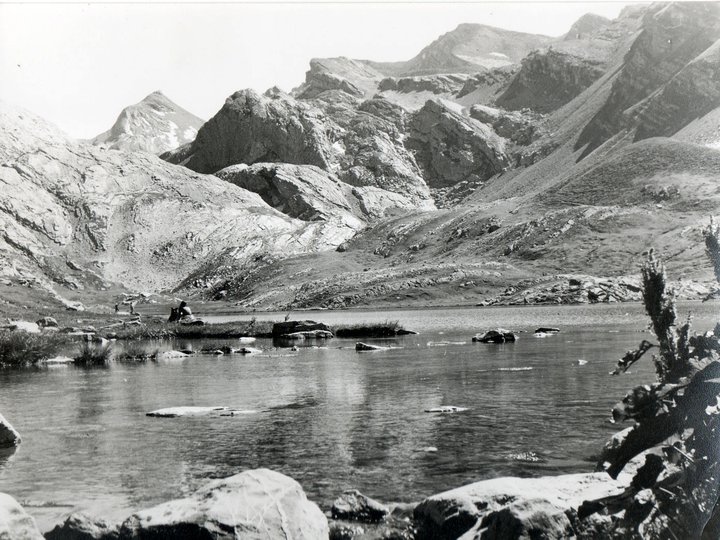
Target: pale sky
<point>78,65</point>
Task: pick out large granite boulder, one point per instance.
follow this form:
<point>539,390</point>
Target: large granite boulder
<point>15,523</point>
<point>515,508</point>
<point>499,335</point>
<point>252,505</point>
<point>8,435</point>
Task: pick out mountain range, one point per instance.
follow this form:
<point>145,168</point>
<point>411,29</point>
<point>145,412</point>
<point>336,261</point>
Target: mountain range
<point>493,167</point>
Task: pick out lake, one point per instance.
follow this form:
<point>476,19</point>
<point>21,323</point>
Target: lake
<point>330,417</point>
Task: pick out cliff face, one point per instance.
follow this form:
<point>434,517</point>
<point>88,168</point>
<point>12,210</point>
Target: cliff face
<point>672,36</point>
<point>154,125</point>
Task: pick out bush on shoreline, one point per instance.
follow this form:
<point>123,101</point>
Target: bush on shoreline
<point>93,354</point>
<point>375,330</point>
<point>19,348</point>
<point>216,331</point>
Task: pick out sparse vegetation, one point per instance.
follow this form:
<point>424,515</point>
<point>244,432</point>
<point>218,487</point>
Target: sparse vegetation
<point>134,351</point>
<point>675,491</point>
<point>232,330</point>
<point>21,348</point>
<point>93,354</point>
<point>378,330</point>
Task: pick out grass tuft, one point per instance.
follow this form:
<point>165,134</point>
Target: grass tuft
<point>93,354</point>
<point>383,329</point>
<point>21,348</point>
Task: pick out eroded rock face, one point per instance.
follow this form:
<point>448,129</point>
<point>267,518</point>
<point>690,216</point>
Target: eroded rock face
<point>15,523</point>
<point>361,143</point>
<point>154,125</point>
<point>515,508</point>
<point>353,77</point>
<point>126,217</point>
<point>437,84</point>
<point>253,128</point>
<point>81,527</point>
<point>520,127</point>
<point>253,505</point>
<point>550,78</point>
<point>672,36</point>
<point>452,148</point>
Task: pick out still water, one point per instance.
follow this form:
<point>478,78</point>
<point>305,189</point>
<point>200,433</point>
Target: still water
<point>329,417</point>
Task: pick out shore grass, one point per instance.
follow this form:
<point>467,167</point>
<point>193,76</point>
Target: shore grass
<point>379,330</point>
<point>22,348</point>
<point>211,331</point>
<point>93,354</point>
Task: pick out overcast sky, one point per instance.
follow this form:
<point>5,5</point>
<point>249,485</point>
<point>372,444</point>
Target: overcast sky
<point>78,65</point>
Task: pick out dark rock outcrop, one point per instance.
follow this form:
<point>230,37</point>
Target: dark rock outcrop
<point>354,506</point>
<point>451,148</point>
<point>550,78</point>
<point>82,527</point>
<point>499,335</point>
<point>8,435</point>
<point>437,84</point>
<point>672,36</point>
<point>252,505</point>
<point>522,128</point>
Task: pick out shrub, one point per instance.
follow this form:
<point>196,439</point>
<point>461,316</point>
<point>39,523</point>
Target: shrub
<point>383,329</point>
<point>93,354</point>
<point>19,348</point>
<point>135,351</point>
<point>676,432</point>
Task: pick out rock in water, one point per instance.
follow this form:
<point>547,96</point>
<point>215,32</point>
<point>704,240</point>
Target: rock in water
<point>8,435</point>
<point>282,329</point>
<point>15,523</point>
<point>253,505</point>
<point>499,335</point>
<point>81,527</point>
<point>354,506</point>
<point>366,347</point>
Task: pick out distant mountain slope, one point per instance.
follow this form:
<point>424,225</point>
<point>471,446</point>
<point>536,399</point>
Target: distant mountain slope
<point>79,216</point>
<point>672,37</point>
<point>469,48</point>
<point>154,125</point>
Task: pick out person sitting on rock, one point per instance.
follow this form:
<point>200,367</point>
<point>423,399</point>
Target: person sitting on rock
<point>184,310</point>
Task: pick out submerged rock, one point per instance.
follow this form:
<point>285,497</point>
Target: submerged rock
<point>446,409</point>
<point>253,505</point>
<point>8,435</point>
<point>310,334</point>
<point>359,346</point>
<point>354,506</point>
<point>499,335</point>
<point>174,412</point>
<point>15,523</point>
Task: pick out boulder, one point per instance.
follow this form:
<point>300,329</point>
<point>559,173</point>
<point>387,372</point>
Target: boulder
<point>47,322</point>
<point>81,527</point>
<point>547,330</point>
<point>281,329</point>
<point>499,335</point>
<point>354,506</point>
<point>15,523</point>
<point>247,350</point>
<point>255,504</point>
<point>310,334</point>
<point>513,508</point>
<point>24,326</point>
<point>8,435</point>
<point>445,409</point>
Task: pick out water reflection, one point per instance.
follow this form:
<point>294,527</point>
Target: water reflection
<point>330,417</point>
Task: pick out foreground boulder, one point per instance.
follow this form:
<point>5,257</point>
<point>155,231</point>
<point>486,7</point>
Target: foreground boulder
<point>81,527</point>
<point>495,336</point>
<point>15,523</point>
<point>354,506</point>
<point>256,504</point>
<point>8,435</point>
<point>360,346</point>
<point>515,508</point>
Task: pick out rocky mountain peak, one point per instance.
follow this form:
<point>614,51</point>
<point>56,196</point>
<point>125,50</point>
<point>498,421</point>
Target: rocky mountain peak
<point>586,25</point>
<point>156,124</point>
